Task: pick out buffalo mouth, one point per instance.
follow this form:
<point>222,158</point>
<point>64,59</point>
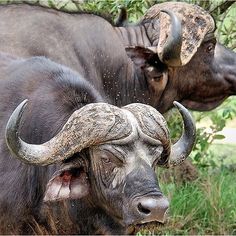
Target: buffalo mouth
<point>152,226</point>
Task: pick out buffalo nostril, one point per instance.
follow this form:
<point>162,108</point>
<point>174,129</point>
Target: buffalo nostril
<point>143,209</point>
<point>147,205</point>
<point>152,208</point>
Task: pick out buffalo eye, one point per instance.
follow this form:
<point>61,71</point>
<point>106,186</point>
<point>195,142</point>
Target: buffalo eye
<point>106,160</point>
<point>157,77</point>
<point>111,159</point>
<point>210,48</point>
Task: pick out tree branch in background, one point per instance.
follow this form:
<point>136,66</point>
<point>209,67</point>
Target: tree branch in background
<point>223,7</point>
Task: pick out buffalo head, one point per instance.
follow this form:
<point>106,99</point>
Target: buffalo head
<point>175,48</point>
<point>108,156</point>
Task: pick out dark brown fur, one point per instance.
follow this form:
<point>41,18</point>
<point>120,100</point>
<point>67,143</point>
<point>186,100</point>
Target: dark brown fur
<point>92,46</point>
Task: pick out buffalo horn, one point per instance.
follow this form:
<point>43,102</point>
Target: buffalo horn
<point>182,148</point>
<point>90,125</point>
<point>27,152</point>
<point>171,52</point>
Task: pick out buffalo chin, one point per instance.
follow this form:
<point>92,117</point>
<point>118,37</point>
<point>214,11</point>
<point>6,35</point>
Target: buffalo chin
<point>202,106</point>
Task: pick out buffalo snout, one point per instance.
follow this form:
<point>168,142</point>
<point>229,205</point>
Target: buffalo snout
<point>151,208</point>
<point>147,209</point>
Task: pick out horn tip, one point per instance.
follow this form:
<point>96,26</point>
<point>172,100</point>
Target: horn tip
<point>14,120</point>
<point>21,107</point>
<point>178,105</point>
<point>24,102</point>
<point>183,109</point>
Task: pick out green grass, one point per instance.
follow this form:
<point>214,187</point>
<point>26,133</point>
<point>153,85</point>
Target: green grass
<point>224,154</point>
<point>205,206</point>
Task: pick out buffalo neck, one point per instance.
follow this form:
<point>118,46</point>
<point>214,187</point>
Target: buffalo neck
<point>134,87</point>
<point>134,35</point>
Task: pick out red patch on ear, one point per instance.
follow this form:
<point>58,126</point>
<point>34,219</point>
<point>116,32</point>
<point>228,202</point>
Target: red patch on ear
<point>66,176</point>
<point>67,184</point>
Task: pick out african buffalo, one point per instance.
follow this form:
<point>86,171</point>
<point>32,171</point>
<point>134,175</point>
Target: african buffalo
<point>189,67</point>
<point>84,166</point>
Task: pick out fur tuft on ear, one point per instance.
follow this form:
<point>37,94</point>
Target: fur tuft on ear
<point>139,55</point>
<point>67,184</point>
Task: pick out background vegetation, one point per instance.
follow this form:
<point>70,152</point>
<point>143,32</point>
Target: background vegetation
<point>207,205</point>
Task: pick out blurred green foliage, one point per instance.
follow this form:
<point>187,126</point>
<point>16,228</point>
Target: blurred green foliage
<point>202,155</point>
<point>211,123</point>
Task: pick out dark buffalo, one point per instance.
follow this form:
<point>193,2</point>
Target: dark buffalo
<point>85,167</point>
<point>192,68</point>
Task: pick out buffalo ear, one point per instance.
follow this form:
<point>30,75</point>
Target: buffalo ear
<point>139,55</point>
<point>155,71</point>
<point>147,60</point>
<point>67,184</point>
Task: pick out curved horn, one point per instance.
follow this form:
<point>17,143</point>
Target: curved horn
<point>182,148</point>
<point>93,124</point>
<point>171,51</point>
<point>22,150</point>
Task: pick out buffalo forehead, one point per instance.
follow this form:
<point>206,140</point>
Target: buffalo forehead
<point>196,24</point>
<point>150,121</point>
<point>99,123</point>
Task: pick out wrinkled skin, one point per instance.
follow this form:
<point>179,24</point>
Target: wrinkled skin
<point>104,61</point>
<point>119,191</point>
<point>125,169</point>
<point>105,189</point>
